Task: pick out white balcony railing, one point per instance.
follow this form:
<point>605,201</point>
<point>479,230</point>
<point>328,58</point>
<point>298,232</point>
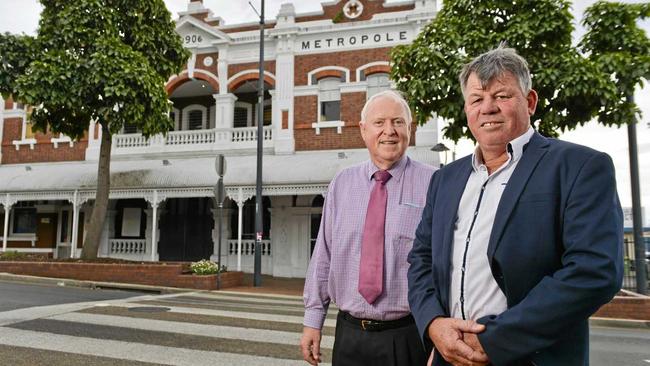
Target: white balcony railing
<point>211,140</point>
<point>130,140</point>
<point>248,256</point>
<point>128,246</point>
<point>190,137</point>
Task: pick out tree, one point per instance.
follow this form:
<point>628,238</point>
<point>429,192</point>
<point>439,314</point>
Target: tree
<point>16,53</point>
<point>101,60</point>
<point>622,50</point>
<point>570,87</point>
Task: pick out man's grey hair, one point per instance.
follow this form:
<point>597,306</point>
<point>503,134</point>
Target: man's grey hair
<point>392,95</point>
<point>495,63</point>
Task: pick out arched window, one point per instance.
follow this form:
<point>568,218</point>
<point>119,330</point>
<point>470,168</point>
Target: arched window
<point>376,83</point>
<point>195,117</point>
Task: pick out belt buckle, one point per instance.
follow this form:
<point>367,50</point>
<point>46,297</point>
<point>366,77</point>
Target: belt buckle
<point>365,323</point>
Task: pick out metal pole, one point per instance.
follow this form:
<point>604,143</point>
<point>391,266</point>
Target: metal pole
<point>257,273</point>
<point>639,245</point>
<point>154,226</point>
<point>220,204</point>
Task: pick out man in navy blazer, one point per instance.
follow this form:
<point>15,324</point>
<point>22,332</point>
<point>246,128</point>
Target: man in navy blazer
<point>520,242</point>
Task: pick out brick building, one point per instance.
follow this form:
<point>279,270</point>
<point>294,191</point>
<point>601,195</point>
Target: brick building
<point>320,68</point>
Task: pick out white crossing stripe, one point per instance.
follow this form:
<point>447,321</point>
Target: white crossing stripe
<point>132,351</point>
<point>250,307</point>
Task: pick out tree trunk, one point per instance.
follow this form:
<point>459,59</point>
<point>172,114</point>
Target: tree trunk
<point>96,225</point>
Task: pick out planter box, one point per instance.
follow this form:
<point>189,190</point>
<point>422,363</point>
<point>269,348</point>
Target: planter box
<point>626,307</point>
<point>162,274</point>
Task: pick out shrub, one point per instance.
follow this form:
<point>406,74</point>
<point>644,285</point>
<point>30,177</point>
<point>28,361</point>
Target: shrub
<point>206,267</point>
<point>12,256</point>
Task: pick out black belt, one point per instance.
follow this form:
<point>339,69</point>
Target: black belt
<point>376,325</point>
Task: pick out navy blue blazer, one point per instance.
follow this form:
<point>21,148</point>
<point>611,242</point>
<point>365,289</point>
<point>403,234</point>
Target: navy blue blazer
<point>555,251</point>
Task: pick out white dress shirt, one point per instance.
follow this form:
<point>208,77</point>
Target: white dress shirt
<point>477,294</point>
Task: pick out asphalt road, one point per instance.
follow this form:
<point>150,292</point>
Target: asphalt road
<point>83,327</point>
<point>617,346</point>
<point>17,295</point>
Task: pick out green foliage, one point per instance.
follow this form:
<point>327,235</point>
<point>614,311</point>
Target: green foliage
<point>206,267</point>
<point>16,53</point>
<point>621,50</point>
<point>106,60</point>
<point>12,256</point>
<point>338,17</point>
<point>570,87</point>
<point>101,60</point>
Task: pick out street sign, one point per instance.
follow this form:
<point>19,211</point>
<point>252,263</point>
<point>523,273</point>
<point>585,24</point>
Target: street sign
<point>220,165</point>
<point>219,192</point>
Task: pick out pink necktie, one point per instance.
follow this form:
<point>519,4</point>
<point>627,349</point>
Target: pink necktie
<point>371,269</point>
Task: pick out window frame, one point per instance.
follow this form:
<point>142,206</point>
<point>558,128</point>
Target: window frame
<point>329,90</point>
<point>186,114</point>
<point>14,211</point>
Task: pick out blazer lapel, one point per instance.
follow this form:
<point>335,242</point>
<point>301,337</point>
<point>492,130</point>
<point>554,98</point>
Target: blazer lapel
<point>454,186</point>
<point>533,152</point>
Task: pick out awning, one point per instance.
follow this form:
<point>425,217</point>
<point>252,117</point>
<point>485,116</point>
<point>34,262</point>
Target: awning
<point>301,168</point>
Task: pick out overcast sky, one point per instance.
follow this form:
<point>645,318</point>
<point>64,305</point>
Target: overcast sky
<point>22,16</point>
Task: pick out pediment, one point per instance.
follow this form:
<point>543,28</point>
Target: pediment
<point>197,34</point>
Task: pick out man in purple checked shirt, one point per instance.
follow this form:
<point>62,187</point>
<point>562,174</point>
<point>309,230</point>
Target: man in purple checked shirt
<point>369,219</point>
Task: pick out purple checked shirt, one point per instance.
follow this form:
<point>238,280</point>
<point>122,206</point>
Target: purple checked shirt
<point>333,273</point>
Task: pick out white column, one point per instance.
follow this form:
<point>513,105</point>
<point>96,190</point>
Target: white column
<point>7,207</point>
<point>283,137</point>
<point>225,110</point>
<point>222,69</point>
<point>240,224</point>
<point>154,227</point>
<point>92,151</point>
<point>225,234</point>
<point>91,131</point>
<point>75,223</point>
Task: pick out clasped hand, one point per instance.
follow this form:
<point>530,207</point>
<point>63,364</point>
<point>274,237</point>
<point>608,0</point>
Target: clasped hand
<point>457,341</point>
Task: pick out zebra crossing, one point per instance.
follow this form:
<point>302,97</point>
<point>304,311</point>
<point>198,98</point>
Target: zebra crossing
<point>196,328</point>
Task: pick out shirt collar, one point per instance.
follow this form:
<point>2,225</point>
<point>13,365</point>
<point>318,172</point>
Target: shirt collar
<point>515,149</point>
<point>395,171</point>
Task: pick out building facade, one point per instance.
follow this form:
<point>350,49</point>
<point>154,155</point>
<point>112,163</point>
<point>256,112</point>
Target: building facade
<point>319,70</point>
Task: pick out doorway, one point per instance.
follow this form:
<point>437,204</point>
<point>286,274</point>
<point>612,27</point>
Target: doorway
<point>186,230</point>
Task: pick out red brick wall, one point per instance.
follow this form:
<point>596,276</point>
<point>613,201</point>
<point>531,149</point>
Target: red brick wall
<point>307,139</point>
<point>305,113</point>
<point>348,59</point>
<point>351,106</point>
<point>43,151</point>
<point>305,110</point>
<point>212,68</point>
<point>170,274</point>
<point>370,7</point>
<point>233,69</point>
<point>626,307</point>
